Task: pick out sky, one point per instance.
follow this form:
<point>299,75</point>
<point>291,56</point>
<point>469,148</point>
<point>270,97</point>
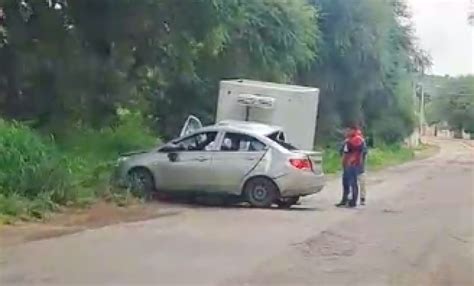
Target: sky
<point>443,31</point>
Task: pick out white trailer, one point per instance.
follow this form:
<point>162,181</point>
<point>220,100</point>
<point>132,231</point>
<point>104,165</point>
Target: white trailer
<point>292,107</point>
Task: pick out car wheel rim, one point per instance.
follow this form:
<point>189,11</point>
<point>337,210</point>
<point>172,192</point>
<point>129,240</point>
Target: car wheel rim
<point>260,193</point>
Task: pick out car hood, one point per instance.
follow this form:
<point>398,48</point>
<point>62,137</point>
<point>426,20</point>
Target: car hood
<point>136,152</point>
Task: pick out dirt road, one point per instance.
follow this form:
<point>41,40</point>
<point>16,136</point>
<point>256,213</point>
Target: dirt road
<point>417,229</point>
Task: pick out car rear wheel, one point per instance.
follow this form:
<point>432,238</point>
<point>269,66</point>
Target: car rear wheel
<point>261,192</point>
<point>286,203</point>
<point>141,183</point>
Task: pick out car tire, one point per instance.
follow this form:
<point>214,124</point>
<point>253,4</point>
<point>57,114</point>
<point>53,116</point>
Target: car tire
<point>286,203</point>
<point>141,183</point>
<point>261,192</point>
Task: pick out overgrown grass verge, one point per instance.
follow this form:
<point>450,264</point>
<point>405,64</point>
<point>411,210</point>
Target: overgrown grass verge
<point>39,175</point>
<point>379,157</point>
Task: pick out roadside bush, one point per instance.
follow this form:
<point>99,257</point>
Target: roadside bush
<point>34,176</point>
<point>13,204</point>
<point>92,153</point>
<point>391,130</point>
<point>30,165</point>
<point>37,175</point>
<point>129,133</point>
<point>331,161</point>
<point>382,156</point>
<point>387,155</point>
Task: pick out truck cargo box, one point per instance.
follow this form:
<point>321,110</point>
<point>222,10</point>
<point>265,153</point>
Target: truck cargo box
<point>292,107</point>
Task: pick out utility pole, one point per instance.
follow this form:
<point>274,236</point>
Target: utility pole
<point>414,138</point>
<point>422,110</point>
<point>422,104</point>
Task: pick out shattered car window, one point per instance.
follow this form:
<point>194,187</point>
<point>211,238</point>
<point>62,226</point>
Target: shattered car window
<point>198,142</point>
<point>241,143</point>
<point>279,137</point>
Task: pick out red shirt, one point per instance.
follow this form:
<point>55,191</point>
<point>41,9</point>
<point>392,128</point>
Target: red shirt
<point>353,153</point>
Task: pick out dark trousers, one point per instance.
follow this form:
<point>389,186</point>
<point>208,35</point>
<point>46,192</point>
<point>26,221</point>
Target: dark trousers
<point>349,183</point>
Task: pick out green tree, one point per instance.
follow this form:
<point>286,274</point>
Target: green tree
<point>454,104</point>
<point>74,62</point>
<point>365,69</point>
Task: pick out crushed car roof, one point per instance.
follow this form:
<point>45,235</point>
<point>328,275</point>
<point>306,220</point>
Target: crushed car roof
<point>251,127</point>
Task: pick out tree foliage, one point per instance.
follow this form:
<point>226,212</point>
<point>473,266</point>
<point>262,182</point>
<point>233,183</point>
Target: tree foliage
<point>366,67</point>
<point>74,62</point>
<point>454,104</point>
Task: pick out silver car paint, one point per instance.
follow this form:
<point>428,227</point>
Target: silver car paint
<point>220,171</point>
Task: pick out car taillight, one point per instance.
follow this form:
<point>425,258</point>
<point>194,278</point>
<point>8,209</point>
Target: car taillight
<point>302,164</point>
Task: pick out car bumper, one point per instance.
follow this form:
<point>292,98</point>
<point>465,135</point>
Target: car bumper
<point>301,184</point>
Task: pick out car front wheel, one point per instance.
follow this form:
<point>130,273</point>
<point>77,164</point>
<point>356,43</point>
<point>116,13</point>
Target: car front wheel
<point>141,182</point>
<point>261,192</point>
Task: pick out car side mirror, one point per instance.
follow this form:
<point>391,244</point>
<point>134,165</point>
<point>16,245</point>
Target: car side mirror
<point>173,156</point>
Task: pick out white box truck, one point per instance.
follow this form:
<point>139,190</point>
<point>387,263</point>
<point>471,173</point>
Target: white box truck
<point>292,107</point>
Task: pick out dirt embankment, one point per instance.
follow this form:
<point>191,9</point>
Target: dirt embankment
<point>75,220</point>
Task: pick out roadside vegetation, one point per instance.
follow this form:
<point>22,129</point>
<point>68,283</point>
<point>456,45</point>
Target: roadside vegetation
<point>40,175</point>
<point>84,80</point>
<point>450,103</point>
<point>379,157</point>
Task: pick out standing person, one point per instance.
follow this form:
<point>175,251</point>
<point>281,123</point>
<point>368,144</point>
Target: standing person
<point>351,163</point>
<point>361,177</point>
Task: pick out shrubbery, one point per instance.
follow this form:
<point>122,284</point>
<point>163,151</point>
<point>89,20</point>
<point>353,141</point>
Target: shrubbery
<point>129,133</point>
<point>382,155</point>
<point>38,174</point>
<point>31,168</point>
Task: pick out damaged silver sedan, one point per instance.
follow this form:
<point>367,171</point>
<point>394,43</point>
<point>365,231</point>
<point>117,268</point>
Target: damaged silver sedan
<point>249,161</point>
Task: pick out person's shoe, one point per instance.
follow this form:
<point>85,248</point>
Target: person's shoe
<point>352,204</point>
<point>362,201</point>
<point>341,204</point>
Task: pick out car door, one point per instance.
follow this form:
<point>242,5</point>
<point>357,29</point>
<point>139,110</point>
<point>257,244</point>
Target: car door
<point>191,125</point>
<point>189,168</point>
<point>237,155</point>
